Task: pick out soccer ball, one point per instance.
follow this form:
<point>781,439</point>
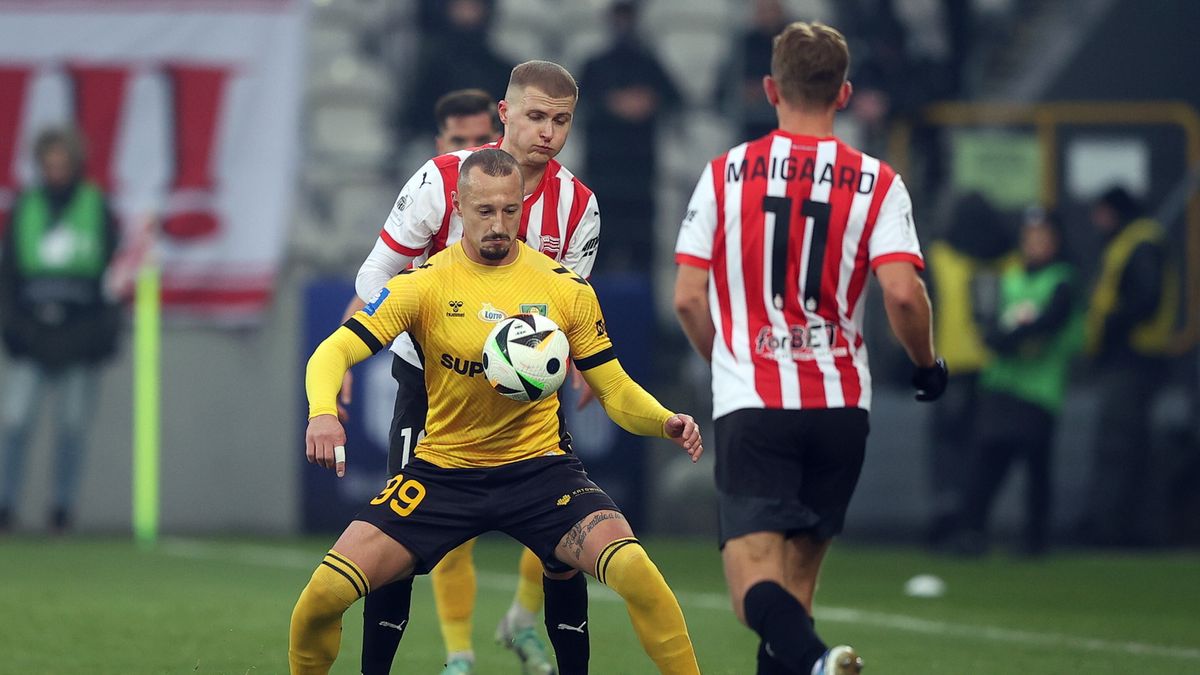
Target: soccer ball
<point>525,357</point>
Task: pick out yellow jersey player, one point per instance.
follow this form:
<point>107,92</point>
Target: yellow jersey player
<point>486,462</point>
<point>560,219</point>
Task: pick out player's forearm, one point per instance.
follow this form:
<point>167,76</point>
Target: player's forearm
<point>697,324</point>
<point>327,366</point>
<point>910,316</point>
<point>627,404</point>
<point>380,266</point>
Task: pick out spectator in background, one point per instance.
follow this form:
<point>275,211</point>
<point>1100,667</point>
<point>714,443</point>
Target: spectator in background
<point>1033,338</point>
<point>58,326</point>
<point>459,57</point>
<point>963,268</point>
<point>1129,326</point>
<point>739,93</point>
<point>629,91</point>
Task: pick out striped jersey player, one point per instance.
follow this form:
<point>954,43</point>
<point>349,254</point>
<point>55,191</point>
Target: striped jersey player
<point>788,227</point>
<point>773,254</point>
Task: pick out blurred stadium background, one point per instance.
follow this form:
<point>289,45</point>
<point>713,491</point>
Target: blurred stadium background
<point>269,138</point>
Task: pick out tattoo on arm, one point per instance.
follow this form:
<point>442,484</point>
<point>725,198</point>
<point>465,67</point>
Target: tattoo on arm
<point>574,539</point>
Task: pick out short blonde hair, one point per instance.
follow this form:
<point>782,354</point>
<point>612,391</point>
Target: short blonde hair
<point>554,80</point>
<point>809,62</point>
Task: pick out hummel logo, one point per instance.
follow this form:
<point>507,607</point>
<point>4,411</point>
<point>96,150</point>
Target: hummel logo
<point>399,627</point>
<point>563,626</point>
<point>455,305</point>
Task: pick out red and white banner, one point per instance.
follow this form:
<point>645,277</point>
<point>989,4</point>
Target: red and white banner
<point>191,113</point>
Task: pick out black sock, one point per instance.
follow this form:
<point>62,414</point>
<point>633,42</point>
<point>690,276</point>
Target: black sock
<point>767,665</point>
<point>785,628</point>
<point>566,622</point>
<point>385,618</point>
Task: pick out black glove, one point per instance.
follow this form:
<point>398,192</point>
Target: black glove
<point>930,382</point>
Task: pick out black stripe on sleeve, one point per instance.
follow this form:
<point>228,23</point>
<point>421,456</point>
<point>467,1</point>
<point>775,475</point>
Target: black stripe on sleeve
<point>598,359</point>
<point>365,335</point>
<point>353,583</point>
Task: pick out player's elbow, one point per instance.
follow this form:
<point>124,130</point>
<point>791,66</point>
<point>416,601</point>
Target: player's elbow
<point>905,294</point>
<point>368,282</point>
<point>690,301</point>
<point>688,306</point>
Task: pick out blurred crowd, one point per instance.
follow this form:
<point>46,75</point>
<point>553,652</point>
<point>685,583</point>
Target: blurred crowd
<point>1023,317</point>
<point>1027,313</point>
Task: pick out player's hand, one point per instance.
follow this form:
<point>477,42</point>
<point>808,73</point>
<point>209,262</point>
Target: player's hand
<point>686,433</point>
<point>344,396</point>
<point>931,382</point>
<point>586,395</point>
<point>325,443</point>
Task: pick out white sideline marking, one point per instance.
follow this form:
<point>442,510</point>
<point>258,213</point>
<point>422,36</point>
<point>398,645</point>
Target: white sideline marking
<point>293,558</point>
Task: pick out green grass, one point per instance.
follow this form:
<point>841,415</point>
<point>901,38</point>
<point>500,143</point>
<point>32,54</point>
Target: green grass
<point>202,606</point>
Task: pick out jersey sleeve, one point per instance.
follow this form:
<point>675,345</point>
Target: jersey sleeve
<point>580,254</point>
<point>393,309</point>
<point>894,237</point>
<point>586,332</point>
<point>695,244</point>
<point>415,218</point>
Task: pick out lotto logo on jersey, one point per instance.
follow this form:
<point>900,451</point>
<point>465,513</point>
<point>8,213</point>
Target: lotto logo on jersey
<point>490,314</point>
<point>376,301</point>
<point>801,343</point>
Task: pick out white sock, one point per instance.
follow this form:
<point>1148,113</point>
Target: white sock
<point>519,618</point>
<point>468,655</point>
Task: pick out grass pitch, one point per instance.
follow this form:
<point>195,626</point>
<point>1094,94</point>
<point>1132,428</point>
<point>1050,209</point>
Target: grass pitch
<point>96,606</point>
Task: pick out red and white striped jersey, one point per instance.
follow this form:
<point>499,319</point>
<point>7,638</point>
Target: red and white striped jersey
<point>560,218</point>
<point>788,227</point>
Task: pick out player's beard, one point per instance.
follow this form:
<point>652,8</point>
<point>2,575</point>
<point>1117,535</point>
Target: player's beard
<point>498,252</point>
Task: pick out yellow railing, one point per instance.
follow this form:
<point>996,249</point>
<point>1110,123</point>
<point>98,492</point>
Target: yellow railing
<point>1046,119</point>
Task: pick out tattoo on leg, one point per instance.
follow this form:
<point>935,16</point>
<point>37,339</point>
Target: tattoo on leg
<point>575,538</point>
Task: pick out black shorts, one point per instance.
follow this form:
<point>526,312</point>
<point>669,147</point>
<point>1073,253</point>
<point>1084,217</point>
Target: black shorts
<point>431,510</point>
<point>408,417</point>
<point>789,471</point>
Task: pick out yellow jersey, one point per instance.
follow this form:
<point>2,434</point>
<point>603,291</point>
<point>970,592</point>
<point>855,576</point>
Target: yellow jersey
<point>450,304</point>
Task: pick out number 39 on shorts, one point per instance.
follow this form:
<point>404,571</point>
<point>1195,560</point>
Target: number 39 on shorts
<point>405,495</point>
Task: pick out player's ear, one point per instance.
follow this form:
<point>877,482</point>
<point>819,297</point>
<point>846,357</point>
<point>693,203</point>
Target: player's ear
<point>771,89</point>
<point>502,111</point>
<point>843,98</point>
<point>454,201</point>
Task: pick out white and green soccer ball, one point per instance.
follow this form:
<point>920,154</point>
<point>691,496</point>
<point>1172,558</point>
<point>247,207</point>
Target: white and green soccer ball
<point>525,357</point>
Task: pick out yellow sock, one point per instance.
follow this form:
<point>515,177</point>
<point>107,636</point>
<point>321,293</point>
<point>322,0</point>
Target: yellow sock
<point>316,631</point>
<point>529,585</point>
<point>624,566</point>
<point>454,593</point>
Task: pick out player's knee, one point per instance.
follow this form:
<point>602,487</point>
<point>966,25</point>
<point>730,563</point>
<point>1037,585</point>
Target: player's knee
<point>335,585</point>
<point>316,605</point>
<point>624,566</point>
